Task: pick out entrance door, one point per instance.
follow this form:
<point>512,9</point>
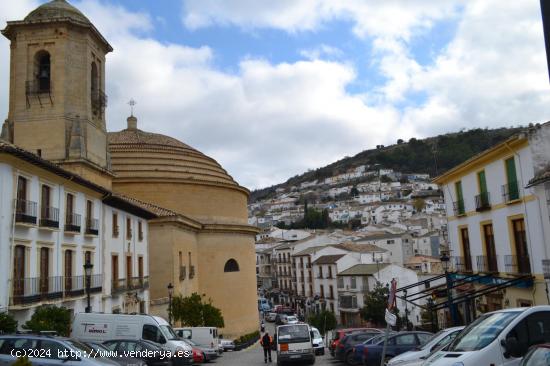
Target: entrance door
<point>19,272</point>
<point>466,249</point>
<point>490,248</point>
<point>44,270</point>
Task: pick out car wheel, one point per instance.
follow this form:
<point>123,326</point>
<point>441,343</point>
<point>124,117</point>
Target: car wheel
<point>387,359</point>
<point>350,359</point>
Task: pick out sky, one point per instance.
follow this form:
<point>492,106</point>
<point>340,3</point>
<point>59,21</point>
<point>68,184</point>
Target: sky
<point>271,89</point>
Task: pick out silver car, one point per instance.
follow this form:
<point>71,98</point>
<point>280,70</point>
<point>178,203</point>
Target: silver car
<point>208,352</point>
<point>47,350</point>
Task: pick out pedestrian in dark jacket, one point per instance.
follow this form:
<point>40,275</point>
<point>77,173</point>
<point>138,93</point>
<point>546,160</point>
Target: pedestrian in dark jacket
<point>266,342</point>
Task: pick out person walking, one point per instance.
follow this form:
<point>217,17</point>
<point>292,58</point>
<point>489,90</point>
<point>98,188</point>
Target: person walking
<point>262,327</point>
<point>266,342</point>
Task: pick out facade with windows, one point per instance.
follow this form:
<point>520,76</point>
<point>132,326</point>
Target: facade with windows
<point>52,223</point>
<point>497,223</point>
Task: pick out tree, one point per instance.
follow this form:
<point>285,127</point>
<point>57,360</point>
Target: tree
<point>354,191</point>
<point>7,323</point>
<point>376,303</point>
<point>324,321</point>
<point>419,204</point>
<point>50,318</point>
<point>399,141</point>
<point>192,311</point>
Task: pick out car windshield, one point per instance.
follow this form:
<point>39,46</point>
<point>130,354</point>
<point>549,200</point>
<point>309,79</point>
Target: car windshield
<point>82,347</point>
<point>430,342</point>
<point>168,332</point>
<point>316,333</point>
<point>482,331</point>
<point>293,334</point>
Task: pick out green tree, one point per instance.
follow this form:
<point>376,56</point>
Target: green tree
<point>385,179</point>
<point>324,321</point>
<point>50,318</point>
<point>376,303</point>
<point>419,204</point>
<point>193,311</point>
<point>354,191</point>
<point>7,323</point>
<point>22,361</point>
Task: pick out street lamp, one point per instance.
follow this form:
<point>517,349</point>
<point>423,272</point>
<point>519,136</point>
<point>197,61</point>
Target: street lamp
<point>88,271</point>
<point>170,292</point>
<point>445,260</point>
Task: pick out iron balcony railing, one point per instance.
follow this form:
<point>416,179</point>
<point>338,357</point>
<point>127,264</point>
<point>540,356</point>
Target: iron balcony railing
<point>462,264</point>
<point>510,191</point>
<point>183,273</point>
<point>118,285</point>
<point>25,211</point>
<point>483,201</point>
<point>546,268</point>
<point>458,208</point>
<point>73,286</point>
<point>487,264</point>
<point>92,226</point>
<point>72,222</point>
<point>519,265</point>
<point>136,283</point>
<point>38,86</point>
<point>49,217</point>
<point>35,289</point>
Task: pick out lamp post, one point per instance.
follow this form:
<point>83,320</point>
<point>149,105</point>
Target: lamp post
<point>170,292</point>
<point>452,310</point>
<point>88,271</point>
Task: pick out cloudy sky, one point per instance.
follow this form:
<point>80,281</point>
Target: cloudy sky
<point>273,88</point>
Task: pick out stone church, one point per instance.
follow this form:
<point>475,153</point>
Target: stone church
<point>200,241</point>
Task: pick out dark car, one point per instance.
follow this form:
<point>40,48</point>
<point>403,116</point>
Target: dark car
<point>356,356</point>
<point>341,333</point>
<point>397,344</point>
<point>537,355</point>
<point>151,353</point>
<point>103,351</point>
<point>344,349</point>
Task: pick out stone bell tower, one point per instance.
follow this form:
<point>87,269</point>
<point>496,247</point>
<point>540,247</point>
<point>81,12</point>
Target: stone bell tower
<point>57,89</point>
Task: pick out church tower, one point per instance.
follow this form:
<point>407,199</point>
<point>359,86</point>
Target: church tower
<point>57,90</point>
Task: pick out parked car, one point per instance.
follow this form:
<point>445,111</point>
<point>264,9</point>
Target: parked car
<point>150,352</point>
<point>198,356</point>
<point>397,344</point>
<point>209,353</point>
<point>291,319</point>
<point>344,349</point>
<point>357,350</point>
<point>270,317</point>
<point>341,333</point>
<point>441,338</point>
<point>227,344</point>
<point>280,319</point>
<point>537,355</point>
<point>47,350</point>
<point>318,343</point>
<point>105,352</point>
<point>501,337</point>
<point>204,336</point>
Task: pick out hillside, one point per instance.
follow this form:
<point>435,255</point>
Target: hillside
<point>433,155</point>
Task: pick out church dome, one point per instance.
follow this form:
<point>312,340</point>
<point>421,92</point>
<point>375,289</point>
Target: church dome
<point>57,10</point>
<point>167,172</point>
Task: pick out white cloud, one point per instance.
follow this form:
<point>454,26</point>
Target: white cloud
<point>322,51</point>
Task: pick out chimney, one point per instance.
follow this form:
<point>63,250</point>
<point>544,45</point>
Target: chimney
<point>132,123</point>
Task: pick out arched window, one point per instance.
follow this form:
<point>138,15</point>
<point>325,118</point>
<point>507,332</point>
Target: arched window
<point>42,68</point>
<point>231,266</point>
<point>94,90</point>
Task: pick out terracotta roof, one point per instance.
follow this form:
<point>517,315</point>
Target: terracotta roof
<point>328,259</point>
<point>541,177</point>
<point>139,137</point>
<point>149,207</point>
<point>363,269</point>
<point>359,248</point>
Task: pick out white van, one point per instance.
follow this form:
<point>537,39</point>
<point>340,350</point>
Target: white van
<point>498,338</point>
<point>295,343</point>
<point>203,336</point>
<point>96,327</point>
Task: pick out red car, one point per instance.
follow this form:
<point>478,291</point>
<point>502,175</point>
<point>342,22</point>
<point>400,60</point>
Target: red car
<point>341,333</point>
<point>198,357</point>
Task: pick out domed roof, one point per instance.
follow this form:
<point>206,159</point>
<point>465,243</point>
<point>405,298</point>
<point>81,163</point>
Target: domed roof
<point>136,154</point>
<point>56,9</point>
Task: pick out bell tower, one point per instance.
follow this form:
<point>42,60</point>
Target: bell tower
<point>57,89</point>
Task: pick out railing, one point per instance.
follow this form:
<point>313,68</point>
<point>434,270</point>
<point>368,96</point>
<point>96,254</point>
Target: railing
<point>510,191</point>
<point>183,273</point>
<point>483,201</point>
<point>135,283</point>
<point>49,217</point>
<point>462,264</point>
<point>36,86</point>
<point>517,264</point>
<point>191,272</point>
<point>35,289</point>
<point>116,231</point>
<point>92,226</point>
<point>546,268</point>
<point>25,211</point>
<point>118,285</point>
<point>99,100</point>
<point>458,208</point>
<point>72,223</point>
<point>487,264</point>
<point>73,286</point>
<point>96,283</point>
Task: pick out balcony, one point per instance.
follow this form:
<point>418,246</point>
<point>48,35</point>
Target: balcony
<point>138,283</point>
<point>96,283</point>
<point>462,264</point>
<point>118,285</point>
<point>72,223</point>
<point>483,201</point>
<point>458,208</point>
<point>191,272</point>
<point>92,226</point>
<point>510,191</point>
<point>73,286</point>
<point>546,268</point>
<point>486,264</point>
<point>183,273</point>
<point>99,101</point>
<point>49,217</point>
<point>36,289</point>
<point>517,265</point>
<point>25,212</point>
